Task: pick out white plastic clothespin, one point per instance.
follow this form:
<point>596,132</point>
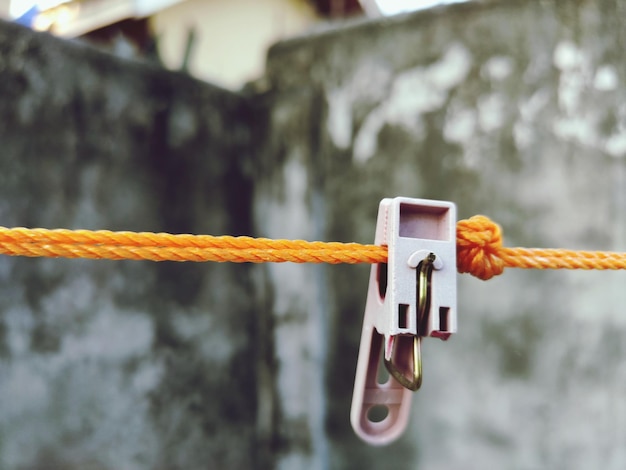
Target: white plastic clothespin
<point>410,297</point>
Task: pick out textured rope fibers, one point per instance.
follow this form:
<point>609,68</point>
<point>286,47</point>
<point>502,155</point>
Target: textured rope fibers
<point>479,249</point>
<point>104,244</point>
<point>480,253</point>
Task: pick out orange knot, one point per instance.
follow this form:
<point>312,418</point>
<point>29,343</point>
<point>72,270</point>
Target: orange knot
<point>478,241</point>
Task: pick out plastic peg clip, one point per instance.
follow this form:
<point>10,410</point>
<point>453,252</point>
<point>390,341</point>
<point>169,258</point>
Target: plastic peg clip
<point>410,297</point>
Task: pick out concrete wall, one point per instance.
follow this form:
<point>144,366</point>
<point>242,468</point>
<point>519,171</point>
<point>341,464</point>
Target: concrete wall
<point>511,109</point>
<point>121,365</point>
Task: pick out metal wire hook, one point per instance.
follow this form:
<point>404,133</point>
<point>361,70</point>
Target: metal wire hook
<point>424,273</point>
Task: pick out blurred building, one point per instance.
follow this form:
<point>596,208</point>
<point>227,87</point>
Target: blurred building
<point>224,42</point>
<point>221,41</point>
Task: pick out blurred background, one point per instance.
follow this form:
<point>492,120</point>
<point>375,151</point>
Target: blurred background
<point>224,42</point>
<point>293,119</point>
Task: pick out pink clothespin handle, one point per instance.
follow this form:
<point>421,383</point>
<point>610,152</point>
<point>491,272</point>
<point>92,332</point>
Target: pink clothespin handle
<point>415,231</point>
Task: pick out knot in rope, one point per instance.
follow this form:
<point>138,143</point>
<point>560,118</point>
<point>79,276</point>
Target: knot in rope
<point>479,241</point>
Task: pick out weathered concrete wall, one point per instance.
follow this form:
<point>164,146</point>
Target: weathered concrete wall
<point>511,109</point>
<point>125,365</point>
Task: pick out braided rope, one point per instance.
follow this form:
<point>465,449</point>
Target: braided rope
<point>104,244</point>
<point>480,253</point>
<point>479,249</point>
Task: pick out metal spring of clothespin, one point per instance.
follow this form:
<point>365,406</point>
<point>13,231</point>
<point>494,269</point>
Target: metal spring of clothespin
<point>410,297</point>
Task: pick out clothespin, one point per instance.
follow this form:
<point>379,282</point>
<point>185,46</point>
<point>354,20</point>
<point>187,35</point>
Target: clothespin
<point>411,297</point>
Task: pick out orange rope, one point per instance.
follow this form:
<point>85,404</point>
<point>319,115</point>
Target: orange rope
<point>479,249</point>
<point>103,244</point>
<point>480,253</point>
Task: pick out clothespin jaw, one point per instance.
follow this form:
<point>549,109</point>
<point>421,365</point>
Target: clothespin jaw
<point>410,297</point>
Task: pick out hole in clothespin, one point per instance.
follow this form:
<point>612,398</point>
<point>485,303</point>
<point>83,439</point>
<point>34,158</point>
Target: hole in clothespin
<point>377,413</point>
<point>425,222</point>
<point>403,316</point>
<point>444,312</point>
<point>443,332</point>
<point>382,374</point>
<point>382,270</point>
